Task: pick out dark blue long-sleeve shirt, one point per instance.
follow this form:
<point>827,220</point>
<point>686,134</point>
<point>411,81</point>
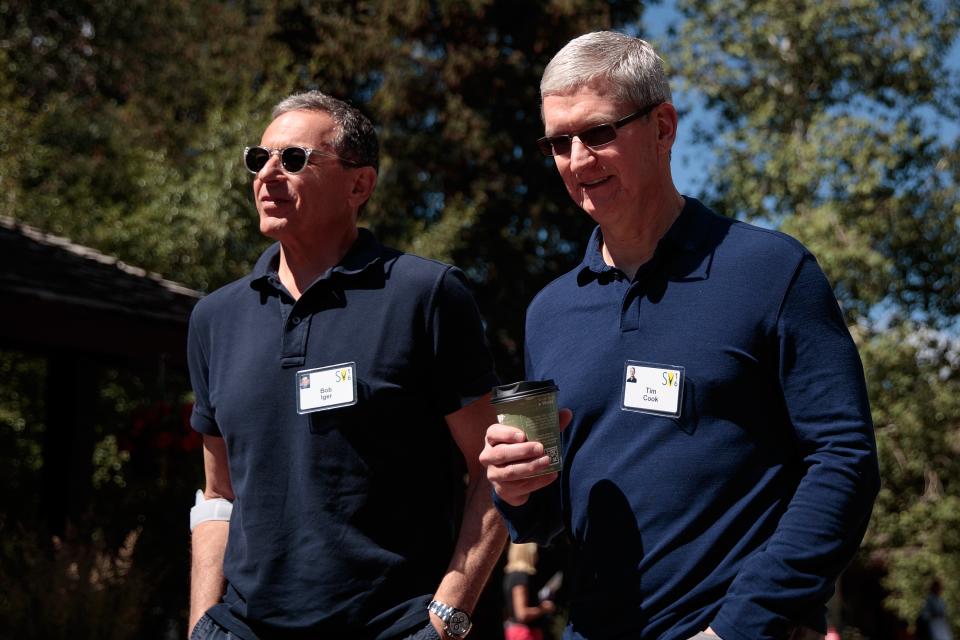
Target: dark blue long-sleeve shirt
<point>741,511</point>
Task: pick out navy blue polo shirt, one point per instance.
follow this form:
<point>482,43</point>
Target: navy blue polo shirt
<point>344,519</point>
<point>739,502</point>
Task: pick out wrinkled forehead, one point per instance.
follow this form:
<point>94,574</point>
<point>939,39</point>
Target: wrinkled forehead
<point>580,109</point>
<point>311,129</point>
<point>596,86</point>
<point>599,84</point>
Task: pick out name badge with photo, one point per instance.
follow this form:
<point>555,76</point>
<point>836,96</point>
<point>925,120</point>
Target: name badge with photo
<point>652,388</point>
<point>326,387</point>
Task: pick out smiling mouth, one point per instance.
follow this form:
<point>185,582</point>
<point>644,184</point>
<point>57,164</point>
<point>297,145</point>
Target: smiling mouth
<point>594,183</point>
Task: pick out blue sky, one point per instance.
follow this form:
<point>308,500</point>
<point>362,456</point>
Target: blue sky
<point>690,161</point>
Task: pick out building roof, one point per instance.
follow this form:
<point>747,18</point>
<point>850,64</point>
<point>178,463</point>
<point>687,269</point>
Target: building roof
<point>56,293</point>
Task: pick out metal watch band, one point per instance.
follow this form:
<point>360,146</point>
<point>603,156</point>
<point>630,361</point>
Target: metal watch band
<point>456,622</point>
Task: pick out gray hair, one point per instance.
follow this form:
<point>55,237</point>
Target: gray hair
<point>627,67</point>
<point>356,139</point>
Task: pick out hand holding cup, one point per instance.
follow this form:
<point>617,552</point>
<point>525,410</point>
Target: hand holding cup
<point>524,455</point>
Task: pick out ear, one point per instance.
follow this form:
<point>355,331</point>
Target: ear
<point>666,117</point>
<point>364,181</point>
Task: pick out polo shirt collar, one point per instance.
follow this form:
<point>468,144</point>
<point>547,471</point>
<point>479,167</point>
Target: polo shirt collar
<point>682,235</point>
<point>365,252</point>
<point>593,258</point>
<point>267,264</point>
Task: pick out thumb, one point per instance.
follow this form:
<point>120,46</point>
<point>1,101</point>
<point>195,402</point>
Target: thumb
<point>566,417</point>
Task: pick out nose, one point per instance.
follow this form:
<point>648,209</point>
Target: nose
<point>272,169</point>
<point>581,156</point>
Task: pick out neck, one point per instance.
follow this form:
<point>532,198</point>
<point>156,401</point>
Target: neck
<point>303,262</point>
<point>628,246</point>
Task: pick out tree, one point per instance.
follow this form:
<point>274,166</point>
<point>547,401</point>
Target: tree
<point>133,112</point>
<point>822,129</point>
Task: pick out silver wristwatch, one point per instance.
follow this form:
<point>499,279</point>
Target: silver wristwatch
<point>455,621</point>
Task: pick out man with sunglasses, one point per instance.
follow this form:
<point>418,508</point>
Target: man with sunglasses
<point>341,390</point>
<point>722,493</point>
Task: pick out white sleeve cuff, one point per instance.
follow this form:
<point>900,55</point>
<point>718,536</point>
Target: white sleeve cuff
<point>213,509</point>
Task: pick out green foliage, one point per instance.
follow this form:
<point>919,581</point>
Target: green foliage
<point>15,132</point>
<point>138,112</point>
<point>915,533</point>
<point>21,429</point>
<point>194,223</point>
<point>826,125</point>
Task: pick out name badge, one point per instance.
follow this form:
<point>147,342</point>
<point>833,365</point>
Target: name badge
<point>326,388</point>
<point>652,388</point>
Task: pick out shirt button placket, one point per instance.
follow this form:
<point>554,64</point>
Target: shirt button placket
<point>630,307</point>
<point>294,336</point>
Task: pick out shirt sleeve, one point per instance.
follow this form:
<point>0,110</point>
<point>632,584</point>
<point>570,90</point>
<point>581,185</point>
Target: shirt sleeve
<point>538,520</point>
<point>202,416</point>
<point>464,370</point>
<point>786,583</point>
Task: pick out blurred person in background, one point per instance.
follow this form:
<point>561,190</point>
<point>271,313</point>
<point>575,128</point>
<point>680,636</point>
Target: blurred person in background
<point>527,614</point>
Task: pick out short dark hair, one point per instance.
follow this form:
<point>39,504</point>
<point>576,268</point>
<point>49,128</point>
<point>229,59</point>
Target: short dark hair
<point>356,139</point>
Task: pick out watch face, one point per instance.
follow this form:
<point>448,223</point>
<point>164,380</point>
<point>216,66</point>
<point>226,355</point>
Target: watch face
<point>459,623</point>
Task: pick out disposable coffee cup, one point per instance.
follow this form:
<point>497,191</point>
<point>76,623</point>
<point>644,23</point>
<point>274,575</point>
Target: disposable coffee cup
<point>531,405</point>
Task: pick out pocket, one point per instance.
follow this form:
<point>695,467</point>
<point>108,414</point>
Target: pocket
<point>343,418</point>
<point>425,633</point>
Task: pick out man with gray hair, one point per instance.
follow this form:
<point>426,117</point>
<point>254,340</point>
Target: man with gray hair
<point>341,390</point>
<point>723,490</point>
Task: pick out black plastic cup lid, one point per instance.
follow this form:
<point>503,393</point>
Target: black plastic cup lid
<point>522,389</point>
